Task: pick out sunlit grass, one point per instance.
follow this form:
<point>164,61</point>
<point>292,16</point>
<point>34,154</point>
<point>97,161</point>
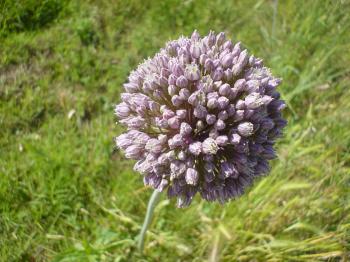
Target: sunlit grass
<point>66,194</point>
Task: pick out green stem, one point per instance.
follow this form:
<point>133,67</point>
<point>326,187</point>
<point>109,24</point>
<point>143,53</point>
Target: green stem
<point>148,218</point>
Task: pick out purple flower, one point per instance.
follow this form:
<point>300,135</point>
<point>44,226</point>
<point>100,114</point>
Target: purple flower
<point>181,82</point>
<point>192,72</point>
<point>191,177</point>
<point>185,129</point>
<point>210,146</point>
<point>195,148</point>
<point>154,146</point>
<point>202,116</point>
<point>245,129</point>
<point>221,140</point>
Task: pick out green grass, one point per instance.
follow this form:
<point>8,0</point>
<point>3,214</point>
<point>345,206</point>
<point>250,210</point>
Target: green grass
<point>66,194</point>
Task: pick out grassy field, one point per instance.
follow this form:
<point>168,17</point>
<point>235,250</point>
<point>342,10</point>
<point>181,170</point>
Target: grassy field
<point>66,194</point>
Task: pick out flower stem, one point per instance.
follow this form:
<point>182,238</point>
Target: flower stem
<point>148,218</point>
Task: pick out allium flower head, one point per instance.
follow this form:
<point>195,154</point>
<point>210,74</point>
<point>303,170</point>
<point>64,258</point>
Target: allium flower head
<point>202,116</point>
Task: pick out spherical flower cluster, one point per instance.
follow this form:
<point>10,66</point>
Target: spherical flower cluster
<point>202,116</point>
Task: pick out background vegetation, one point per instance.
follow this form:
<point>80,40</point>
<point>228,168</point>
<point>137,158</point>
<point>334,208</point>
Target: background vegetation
<point>66,194</point>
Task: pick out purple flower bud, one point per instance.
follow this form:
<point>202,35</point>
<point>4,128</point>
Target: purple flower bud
<point>176,141</point>
<point>217,74</point>
<point>237,69</point>
<point>207,87</point>
<point>177,168</point>
<point>134,151</point>
<point>184,94</point>
<point>172,90</point>
<point>122,110</point>
<point>213,95</point>
<point>228,45</point>
<point>177,70</point>
<point>269,152</point>
<point>208,158</point>
<point>226,61</point>
<point>165,72</point>
<point>163,184</point>
<point>209,167</point>
<point>200,125</point>
<point>184,56</point>
<point>228,170</point>
<point>217,63</point>
<point>195,36</point>
<point>243,58</point>
<point>267,124</point>
<point>131,87</point>
<point>213,133</point>
<point>154,146</point>
<point>266,99</point>
<point>228,74</point>
<point>167,113</point>
<point>162,81</point>
<point>195,148</point>
<point>222,140</point>
<point>203,58</point>
<point>278,105</point>
<point>163,159</point>
<point>240,84</point>
<point>225,90</point>
<point>123,141</point>
<point>240,105</point>
<point>181,155</point>
<point>158,94</point>
<point>135,122</point>
<point>174,122</point>
<point>252,86</point>
<point>223,115</point>
<point>230,109</point>
<point>209,146</point>
<point>185,129</point>
<point>211,119</point>
<point>245,129</point>
<point>153,106</point>
<point>220,38</point>
<point>211,39</point>
<point>162,138</point>
<point>209,65</point>
<point>212,103</point>
<point>135,77</point>
<point>176,100</point>
<point>171,155</point>
<point>217,85</point>
<point>197,98</point>
<point>200,112</point>
<point>172,79</point>
<point>239,115</point>
<point>191,176</point>
<point>162,123</point>
<point>220,125</point>
<point>192,72</point>
<point>253,101</point>
<point>181,113</point>
<point>144,166</point>
<point>235,139</point>
<point>189,161</point>
<point>223,102</point>
<point>181,82</point>
<point>126,97</point>
<point>195,50</point>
